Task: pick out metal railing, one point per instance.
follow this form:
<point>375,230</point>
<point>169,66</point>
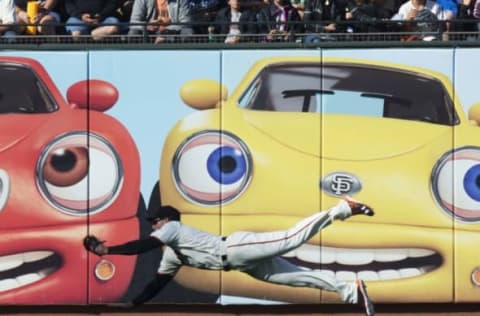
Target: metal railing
<point>464,31</point>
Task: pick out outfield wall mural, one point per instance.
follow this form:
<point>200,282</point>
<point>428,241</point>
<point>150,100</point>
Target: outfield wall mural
<point>92,142</point>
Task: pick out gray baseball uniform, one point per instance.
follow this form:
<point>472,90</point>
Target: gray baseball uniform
<point>257,254</point>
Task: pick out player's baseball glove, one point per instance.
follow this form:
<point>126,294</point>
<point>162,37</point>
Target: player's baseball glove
<point>93,244</point>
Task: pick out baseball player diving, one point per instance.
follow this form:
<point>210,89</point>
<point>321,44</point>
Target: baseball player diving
<point>257,254</point>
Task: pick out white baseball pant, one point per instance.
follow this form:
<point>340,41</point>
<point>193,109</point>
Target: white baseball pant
<point>257,254</point>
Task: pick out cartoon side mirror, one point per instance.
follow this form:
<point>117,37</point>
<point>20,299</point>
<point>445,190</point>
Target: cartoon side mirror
<point>202,94</point>
<point>97,95</point>
<point>474,114</point>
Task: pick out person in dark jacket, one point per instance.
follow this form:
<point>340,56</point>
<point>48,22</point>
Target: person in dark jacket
<point>234,21</point>
<point>369,16</point>
<point>95,17</point>
<point>280,21</point>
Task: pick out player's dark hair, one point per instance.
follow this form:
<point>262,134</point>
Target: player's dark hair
<point>164,212</point>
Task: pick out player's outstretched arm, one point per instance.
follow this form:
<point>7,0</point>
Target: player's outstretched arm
<point>152,289</point>
<point>134,247</point>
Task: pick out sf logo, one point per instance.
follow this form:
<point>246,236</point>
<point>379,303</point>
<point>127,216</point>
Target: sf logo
<point>340,183</point>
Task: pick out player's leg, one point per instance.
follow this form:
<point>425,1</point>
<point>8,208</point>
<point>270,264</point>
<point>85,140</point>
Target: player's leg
<point>279,271</point>
<point>245,247</point>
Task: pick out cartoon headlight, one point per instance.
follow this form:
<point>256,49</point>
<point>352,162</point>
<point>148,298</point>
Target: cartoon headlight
<point>104,270</point>
<point>212,167</point>
<point>79,173</point>
<point>456,183</point>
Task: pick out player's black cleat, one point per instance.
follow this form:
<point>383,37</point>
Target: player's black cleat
<point>358,208</point>
<point>363,298</point>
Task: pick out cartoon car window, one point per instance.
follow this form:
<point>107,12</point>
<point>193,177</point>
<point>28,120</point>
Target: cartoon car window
<point>23,92</point>
<point>350,89</point>
<point>273,80</point>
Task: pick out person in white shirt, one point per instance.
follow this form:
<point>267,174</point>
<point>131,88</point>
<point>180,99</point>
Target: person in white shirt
<point>7,17</point>
<point>408,10</point>
<point>257,254</point>
<point>419,17</point>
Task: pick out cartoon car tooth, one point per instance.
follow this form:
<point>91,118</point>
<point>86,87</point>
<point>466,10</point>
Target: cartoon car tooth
<point>298,133</point>
<point>63,174</point>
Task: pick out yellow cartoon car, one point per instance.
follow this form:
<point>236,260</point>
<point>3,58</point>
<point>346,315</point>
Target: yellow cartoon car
<point>298,133</point>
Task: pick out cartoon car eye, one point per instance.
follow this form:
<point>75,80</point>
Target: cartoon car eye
<point>212,167</point>
<point>4,188</point>
<point>460,197</point>
<point>79,173</point>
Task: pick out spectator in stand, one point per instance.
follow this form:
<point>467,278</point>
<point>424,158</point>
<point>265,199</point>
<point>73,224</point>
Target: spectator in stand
<point>444,10</point>
<point>163,18</point>
<point>235,20</point>
<point>419,16</point>
<point>368,16</point>
<point>7,17</point>
<point>124,10</point>
<point>204,12</point>
<point>143,12</point>
<point>476,9</point>
<point>323,16</point>
<point>280,20</point>
<point>448,10</point>
<point>476,12</point>
<point>94,17</point>
<point>123,14</point>
<point>47,18</point>
<point>300,6</point>
<point>409,8</point>
<point>466,15</point>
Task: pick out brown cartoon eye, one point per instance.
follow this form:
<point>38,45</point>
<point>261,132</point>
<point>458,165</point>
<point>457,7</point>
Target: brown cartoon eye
<point>79,173</point>
<point>66,166</point>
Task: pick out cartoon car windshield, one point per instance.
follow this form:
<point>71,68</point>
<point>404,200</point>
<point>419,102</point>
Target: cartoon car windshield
<point>22,92</point>
<point>350,89</point>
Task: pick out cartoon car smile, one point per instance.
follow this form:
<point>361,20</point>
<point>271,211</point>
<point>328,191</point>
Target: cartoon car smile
<point>298,133</point>
<point>62,175</point>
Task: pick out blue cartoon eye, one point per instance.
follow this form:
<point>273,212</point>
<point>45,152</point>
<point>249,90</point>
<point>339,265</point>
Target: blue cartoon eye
<point>456,183</point>
<point>471,182</point>
<point>226,165</point>
<point>212,167</point>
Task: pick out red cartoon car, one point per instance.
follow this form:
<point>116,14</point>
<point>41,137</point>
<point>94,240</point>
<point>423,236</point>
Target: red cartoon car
<point>66,170</point>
